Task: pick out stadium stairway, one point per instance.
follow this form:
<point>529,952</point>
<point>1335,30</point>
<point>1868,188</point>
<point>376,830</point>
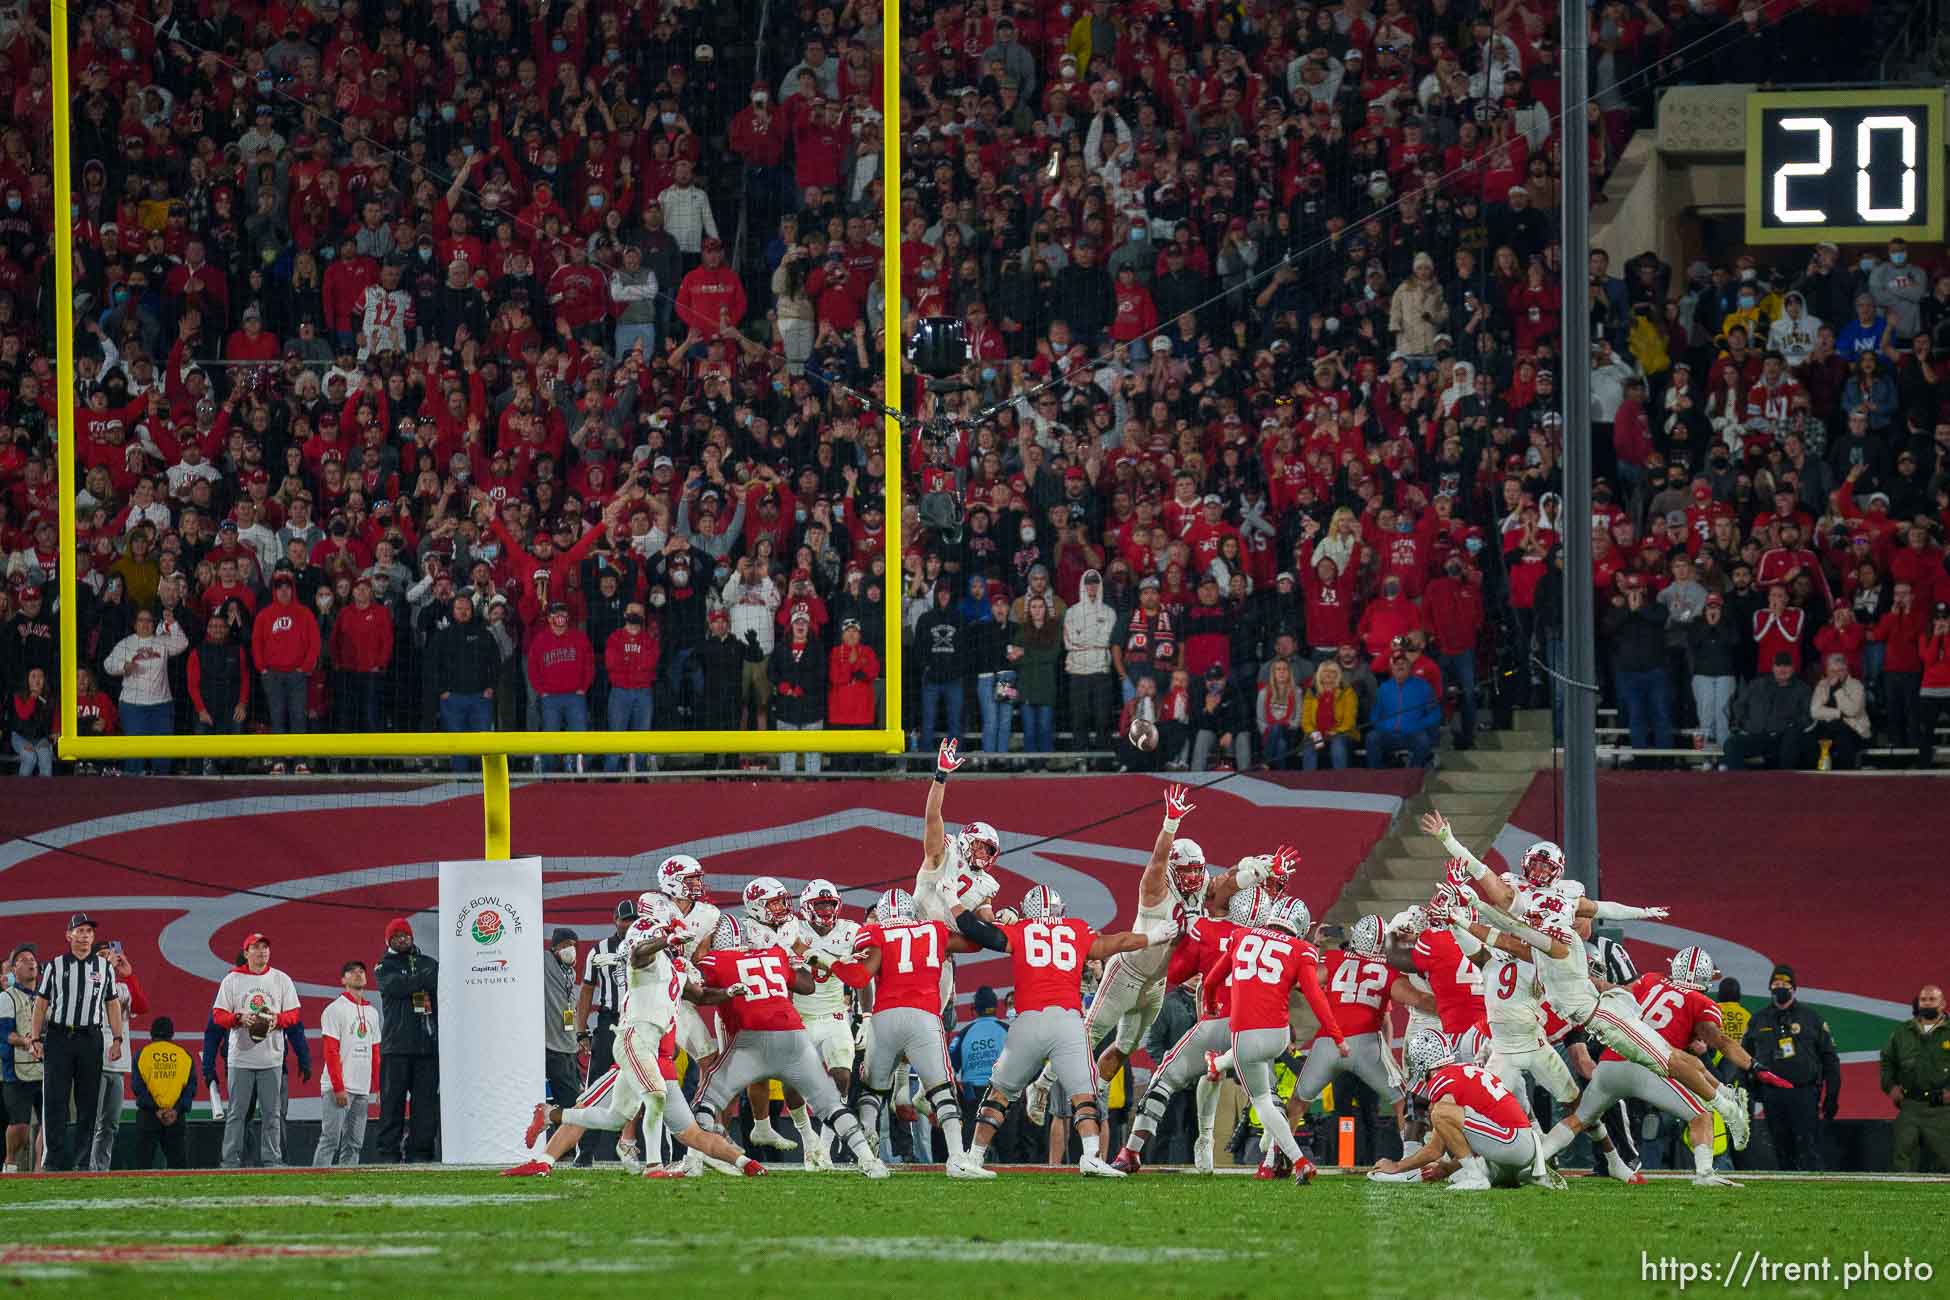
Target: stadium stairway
<point>1477,790</point>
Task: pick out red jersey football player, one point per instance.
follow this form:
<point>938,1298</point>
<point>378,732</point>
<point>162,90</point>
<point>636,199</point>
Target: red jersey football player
<point>765,1038</point>
<point>1481,1136</point>
<point>1047,951</point>
<point>903,957</point>
<point>1456,983</point>
<point>1679,1010</point>
<point>1361,985</point>
<point>1266,964</point>
<point>1201,953</point>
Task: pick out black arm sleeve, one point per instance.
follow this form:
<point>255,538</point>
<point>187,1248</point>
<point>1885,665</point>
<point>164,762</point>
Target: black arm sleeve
<point>979,931</point>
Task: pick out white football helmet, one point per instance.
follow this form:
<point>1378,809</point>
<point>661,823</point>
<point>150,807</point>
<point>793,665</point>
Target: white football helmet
<point>766,902</point>
<point>1289,914</point>
<point>1249,906</point>
<point>1041,903</point>
<point>1426,1050</point>
<point>729,935</point>
<point>979,844</point>
<point>681,876</point>
<point>1693,969</point>
<point>894,905</point>
<point>1364,936</point>
<point>819,902</point>
<point>1185,868</point>
<point>1543,863</point>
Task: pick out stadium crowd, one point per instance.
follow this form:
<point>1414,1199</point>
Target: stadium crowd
<point>487,366</point>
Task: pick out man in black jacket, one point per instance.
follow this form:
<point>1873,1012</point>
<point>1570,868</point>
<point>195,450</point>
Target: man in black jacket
<point>463,664</point>
<point>1636,628</point>
<point>939,643</point>
<point>409,1048</point>
<point>1767,714</point>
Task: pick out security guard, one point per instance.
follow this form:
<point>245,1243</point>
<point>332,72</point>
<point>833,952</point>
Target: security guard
<point>1793,1041</point>
<point>1916,1075</point>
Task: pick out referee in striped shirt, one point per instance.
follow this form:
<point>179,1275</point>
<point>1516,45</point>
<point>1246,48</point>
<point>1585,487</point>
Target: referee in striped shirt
<point>78,994</point>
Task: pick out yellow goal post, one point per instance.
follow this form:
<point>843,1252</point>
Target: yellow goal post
<point>492,746</point>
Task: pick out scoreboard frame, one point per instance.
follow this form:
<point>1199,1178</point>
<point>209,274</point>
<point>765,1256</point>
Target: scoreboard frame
<point>1828,107</point>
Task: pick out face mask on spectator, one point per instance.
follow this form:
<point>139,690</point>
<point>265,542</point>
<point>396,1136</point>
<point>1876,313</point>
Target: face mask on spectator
<point>1028,533</point>
<point>447,113</point>
<point>1898,257</point>
<point>1473,545</point>
<point>1868,264</point>
<point>1746,301</point>
<point>13,203</point>
<point>657,599</point>
<point>634,620</point>
<point>559,44</point>
<point>595,200</point>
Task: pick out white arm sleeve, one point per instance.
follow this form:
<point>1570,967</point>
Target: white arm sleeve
<point>1468,942</point>
<point>1456,849</point>
<point>1621,911</point>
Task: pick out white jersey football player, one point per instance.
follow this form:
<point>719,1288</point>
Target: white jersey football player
<point>954,872</point>
<point>680,878</point>
<point>819,926</point>
<point>1554,930</point>
<point>653,988</point>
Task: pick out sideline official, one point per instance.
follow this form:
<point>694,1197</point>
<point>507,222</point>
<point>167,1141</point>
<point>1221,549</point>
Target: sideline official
<point>1793,1041</point>
<point>1916,1077</point>
<point>77,996</point>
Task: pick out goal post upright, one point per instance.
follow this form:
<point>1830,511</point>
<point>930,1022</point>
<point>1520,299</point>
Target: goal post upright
<point>492,747</point>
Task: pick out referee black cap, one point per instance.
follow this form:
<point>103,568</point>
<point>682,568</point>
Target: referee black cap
<point>80,919</point>
<point>626,910</point>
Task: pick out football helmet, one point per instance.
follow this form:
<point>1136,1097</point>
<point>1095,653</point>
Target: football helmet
<point>729,934</point>
<point>1186,869</point>
<point>1410,921</point>
<point>1289,914</point>
<point>1426,1050</point>
<point>1041,903</point>
<point>979,844</point>
<point>1364,936</point>
<point>1249,906</point>
<point>819,902</point>
<point>766,902</point>
<point>1692,968</point>
<point>894,905</point>
<point>681,876</point>
<point>1543,863</point>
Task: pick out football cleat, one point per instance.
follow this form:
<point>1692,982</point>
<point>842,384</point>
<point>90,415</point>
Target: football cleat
<point>1093,1166</point>
<point>1127,1161</point>
<point>1035,1102</point>
<point>1468,1180</point>
<point>1713,1180</point>
<point>764,1135</point>
<point>1740,1123</point>
<point>1202,1155</point>
<point>873,1168</point>
<point>529,1169</point>
<point>665,1171</point>
<point>750,1168</point>
<point>630,1157</point>
<point>536,1124</point>
<point>1399,1176</point>
<point>1304,1171</point>
<point>960,1166</point>
<point>1265,1173</point>
<point>818,1158</point>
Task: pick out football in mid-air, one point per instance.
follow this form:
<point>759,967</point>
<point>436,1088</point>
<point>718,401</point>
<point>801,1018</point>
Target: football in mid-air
<point>1143,734</point>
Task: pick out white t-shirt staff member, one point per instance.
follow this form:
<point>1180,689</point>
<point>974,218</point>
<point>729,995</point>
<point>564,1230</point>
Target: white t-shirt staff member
<point>350,1029</point>
<point>256,1003</point>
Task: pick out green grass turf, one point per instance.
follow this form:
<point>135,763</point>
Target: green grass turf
<point>446,1233</point>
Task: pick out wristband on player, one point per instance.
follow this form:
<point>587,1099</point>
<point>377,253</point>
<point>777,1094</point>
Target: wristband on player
<point>940,777</point>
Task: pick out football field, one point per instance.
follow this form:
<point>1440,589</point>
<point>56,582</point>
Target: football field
<point>430,1232</point>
